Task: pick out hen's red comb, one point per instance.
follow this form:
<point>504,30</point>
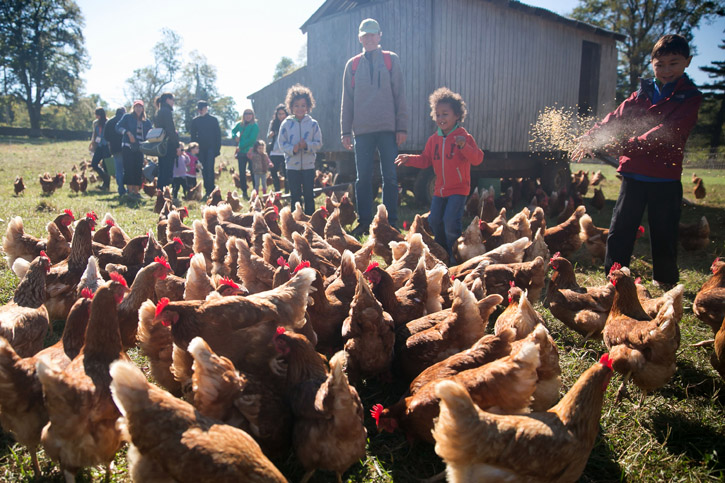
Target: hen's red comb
<point>557,255</point>
<point>606,361</point>
<point>163,262</point>
<point>405,225</point>
<point>276,210</point>
<point>324,211</point>
<point>280,330</point>
<point>117,277</point>
<point>69,213</point>
<point>638,281</point>
<point>303,264</point>
<point>229,282</point>
<point>43,254</point>
<point>512,284</point>
<point>615,266</point>
<point>371,266</point>
<point>92,215</point>
<point>281,262</point>
<point>87,294</point>
<point>110,222</point>
<point>376,412</point>
<point>161,305</point>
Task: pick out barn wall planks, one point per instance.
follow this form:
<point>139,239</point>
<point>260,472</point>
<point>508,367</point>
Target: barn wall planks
<point>508,64</point>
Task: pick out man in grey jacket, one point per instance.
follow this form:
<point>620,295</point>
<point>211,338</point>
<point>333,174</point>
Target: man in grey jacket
<point>373,116</point>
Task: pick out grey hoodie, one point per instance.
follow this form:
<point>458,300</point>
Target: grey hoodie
<point>377,102</point>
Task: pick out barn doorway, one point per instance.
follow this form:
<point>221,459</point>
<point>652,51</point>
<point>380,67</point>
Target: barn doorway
<point>589,78</point>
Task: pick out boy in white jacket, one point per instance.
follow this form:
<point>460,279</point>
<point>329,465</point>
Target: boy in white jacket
<point>300,139</point>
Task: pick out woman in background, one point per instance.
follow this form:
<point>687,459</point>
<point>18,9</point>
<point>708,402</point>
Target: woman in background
<point>133,128</point>
<point>246,132</point>
<point>99,148</point>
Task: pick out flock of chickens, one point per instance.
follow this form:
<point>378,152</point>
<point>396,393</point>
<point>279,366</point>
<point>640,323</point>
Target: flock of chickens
<point>260,325</point>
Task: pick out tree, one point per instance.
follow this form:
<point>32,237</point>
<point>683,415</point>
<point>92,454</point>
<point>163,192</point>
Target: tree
<point>716,93</point>
<point>147,83</point>
<point>198,82</point>
<point>643,22</point>
<point>43,53</point>
<point>284,66</point>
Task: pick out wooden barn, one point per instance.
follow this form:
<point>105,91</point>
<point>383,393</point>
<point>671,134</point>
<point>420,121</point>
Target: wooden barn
<point>508,60</point>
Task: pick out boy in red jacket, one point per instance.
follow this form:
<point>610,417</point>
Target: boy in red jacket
<point>451,151</point>
<point>649,131</point>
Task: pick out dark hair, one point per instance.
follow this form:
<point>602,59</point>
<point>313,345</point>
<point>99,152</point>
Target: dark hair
<point>101,112</point>
<point>260,143</point>
<point>453,99</point>
<point>276,123</point>
<point>298,91</point>
<point>672,44</point>
<point>161,100</point>
<point>191,146</point>
<point>120,111</point>
<point>201,105</point>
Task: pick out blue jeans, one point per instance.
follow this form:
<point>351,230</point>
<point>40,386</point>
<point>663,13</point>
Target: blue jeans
<point>365,146</point>
<point>259,183</point>
<point>302,182</point>
<point>118,162</point>
<point>207,158</point>
<point>445,220</point>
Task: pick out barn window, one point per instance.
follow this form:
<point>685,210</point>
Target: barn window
<point>589,77</point>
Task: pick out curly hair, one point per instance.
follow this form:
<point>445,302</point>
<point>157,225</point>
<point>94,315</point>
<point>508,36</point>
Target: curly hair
<point>453,99</point>
<point>298,91</point>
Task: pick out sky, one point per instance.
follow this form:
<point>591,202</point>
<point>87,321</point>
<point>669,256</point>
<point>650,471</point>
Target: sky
<point>243,39</point>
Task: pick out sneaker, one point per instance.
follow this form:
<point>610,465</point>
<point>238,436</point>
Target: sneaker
<point>360,230</point>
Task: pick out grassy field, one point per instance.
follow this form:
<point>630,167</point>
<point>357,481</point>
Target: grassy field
<point>678,434</point>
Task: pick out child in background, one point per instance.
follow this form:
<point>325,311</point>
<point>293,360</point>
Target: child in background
<point>300,138</point>
<point>451,151</point>
<point>181,165</point>
<point>260,164</point>
<point>648,132</point>
<point>192,150</point>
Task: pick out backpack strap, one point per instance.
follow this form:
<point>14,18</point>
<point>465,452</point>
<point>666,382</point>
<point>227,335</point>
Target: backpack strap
<point>387,59</point>
<point>355,64</point>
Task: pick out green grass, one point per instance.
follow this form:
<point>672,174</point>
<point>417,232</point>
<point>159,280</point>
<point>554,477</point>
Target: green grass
<point>677,435</point>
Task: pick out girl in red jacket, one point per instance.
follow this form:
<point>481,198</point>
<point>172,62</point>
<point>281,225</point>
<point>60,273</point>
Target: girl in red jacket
<point>451,151</point>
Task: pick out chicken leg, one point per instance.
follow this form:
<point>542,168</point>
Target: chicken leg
<point>622,391</point>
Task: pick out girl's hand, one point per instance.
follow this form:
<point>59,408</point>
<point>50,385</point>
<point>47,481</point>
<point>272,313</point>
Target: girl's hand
<point>401,159</point>
<point>131,138</point>
<point>271,134</point>
<point>460,141</point>
<point>302,144</point>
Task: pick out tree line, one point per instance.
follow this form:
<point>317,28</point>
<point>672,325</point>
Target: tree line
<point>42,56</point>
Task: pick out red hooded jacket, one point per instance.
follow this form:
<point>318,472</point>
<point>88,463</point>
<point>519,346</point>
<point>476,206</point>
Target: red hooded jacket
<point>652,137</point>
<point>453,170</point>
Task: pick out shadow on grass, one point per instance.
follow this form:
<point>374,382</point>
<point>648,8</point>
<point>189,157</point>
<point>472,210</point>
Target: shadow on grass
<point>602,465</point>
<point>692,382</point>
<point>690,438</point>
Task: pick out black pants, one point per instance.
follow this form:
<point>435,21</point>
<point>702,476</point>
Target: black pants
<point>166,168</point>
<point>302,183</point>
<point>663,202</point>
<point>206,158</point>
<point>277,170</point>
<point>132,166</point>
<point>177,183</point>
<point>242,160</point>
